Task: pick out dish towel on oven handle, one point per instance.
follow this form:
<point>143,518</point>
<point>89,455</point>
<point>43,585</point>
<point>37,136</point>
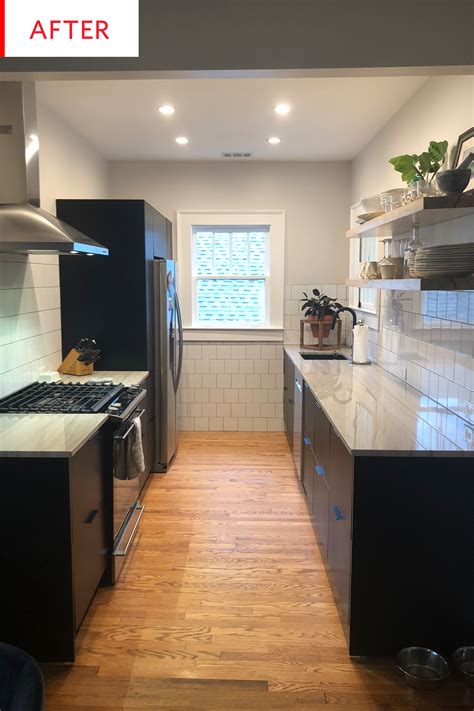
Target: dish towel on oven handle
<point>136,461</point>
<point>129,461</point>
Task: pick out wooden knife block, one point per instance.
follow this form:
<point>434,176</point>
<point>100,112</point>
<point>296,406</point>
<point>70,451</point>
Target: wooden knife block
<point>71,365</point>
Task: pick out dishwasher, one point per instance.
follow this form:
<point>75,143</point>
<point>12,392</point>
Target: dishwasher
<point>298,421</point>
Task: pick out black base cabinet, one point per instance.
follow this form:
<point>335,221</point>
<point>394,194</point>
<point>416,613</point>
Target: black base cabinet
<point>288,399</point>
<point>397,536</point>
<point>54,552</point>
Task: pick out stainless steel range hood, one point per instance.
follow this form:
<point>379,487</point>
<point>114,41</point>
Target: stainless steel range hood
<point>24,227</point>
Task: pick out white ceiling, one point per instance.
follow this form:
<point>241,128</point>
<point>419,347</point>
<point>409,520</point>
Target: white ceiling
<point>331,118</point>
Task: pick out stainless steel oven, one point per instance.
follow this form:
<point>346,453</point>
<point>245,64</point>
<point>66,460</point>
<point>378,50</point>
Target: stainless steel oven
<point>127,509</point>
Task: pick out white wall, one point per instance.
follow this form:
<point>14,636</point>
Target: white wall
<point>426,339</point>
<point>30,323</point>
<point>441,109</point>
<point>314,195</point>
<point>239,386</point>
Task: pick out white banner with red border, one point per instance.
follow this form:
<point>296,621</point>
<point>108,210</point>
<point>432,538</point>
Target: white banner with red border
<point>69,28</point>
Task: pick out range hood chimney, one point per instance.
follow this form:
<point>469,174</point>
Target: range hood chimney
<point>24,227</point>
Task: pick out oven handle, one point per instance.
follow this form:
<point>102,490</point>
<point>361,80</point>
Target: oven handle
<point>122,553</point>
<point>137,413</point>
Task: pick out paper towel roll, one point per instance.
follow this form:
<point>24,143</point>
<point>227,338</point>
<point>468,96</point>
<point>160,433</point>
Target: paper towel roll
<point>360,347</point>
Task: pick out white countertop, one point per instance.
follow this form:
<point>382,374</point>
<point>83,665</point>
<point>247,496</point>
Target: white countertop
<point>46,435</point>
<point>126,377</point>
<point>376,413</point>
<point>61,435</point>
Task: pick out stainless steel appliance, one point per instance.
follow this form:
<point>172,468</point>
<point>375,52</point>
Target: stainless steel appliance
<point>168,360</point>
<point>123,405</point>
<point>23,226</point>
<point>127,509</point>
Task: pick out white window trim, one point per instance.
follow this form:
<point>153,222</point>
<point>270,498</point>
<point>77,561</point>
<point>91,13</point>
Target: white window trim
<point>275,221</point>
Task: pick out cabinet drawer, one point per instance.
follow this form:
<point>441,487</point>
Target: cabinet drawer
<point>321,437</point>
<point>307,472</point>
<point>321,506</point>
<point>309,409</point>
<point>340,521</point>
<point>89,560</point>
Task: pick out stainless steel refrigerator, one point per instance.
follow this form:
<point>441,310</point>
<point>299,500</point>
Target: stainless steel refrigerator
<point>168,361</point>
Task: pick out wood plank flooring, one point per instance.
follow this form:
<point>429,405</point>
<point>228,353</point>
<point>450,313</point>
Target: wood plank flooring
<point>224,603</point>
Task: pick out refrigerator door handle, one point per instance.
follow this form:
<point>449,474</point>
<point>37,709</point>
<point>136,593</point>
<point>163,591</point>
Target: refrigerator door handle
<point>180,341</point>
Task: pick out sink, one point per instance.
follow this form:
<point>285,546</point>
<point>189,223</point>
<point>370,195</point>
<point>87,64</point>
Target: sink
<point>323,356</point>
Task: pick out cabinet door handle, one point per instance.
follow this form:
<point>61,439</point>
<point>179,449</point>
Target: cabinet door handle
<point>298,385</point>
<point>91,516</point>
<point>306,440</point>
<point>290,401</point>
<point>306,385</point>
<point>338,513</point>
<point>320,470</point>
<point>317,404</point>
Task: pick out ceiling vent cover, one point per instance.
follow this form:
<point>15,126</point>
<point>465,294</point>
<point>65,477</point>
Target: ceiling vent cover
<point>237,154</point>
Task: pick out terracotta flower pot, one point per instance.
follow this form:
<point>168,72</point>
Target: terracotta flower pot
<point>326,320</point>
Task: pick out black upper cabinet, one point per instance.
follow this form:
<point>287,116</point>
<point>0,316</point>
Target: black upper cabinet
<point>111,298</point>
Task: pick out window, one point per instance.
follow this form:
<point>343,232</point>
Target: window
<point>230,273</point>
<point>231,268</point>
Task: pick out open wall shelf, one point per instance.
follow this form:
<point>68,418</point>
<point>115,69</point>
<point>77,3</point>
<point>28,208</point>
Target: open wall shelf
<point>433,284</point>
<point>419,213</point>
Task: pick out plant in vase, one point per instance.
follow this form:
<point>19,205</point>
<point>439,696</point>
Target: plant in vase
<point>319,308</point>
<point>419,171</point>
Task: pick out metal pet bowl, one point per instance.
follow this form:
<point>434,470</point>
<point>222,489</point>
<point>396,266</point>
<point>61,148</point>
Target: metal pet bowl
<point>463,661</point>
<point>421,667</point>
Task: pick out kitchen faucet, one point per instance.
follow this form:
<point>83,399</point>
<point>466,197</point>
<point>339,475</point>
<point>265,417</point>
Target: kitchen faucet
<point>354,322</point>
<point>339,310</point>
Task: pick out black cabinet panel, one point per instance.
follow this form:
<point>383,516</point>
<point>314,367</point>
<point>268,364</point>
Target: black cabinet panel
<point>340,520</point>
<point>321,437</point>
<point>307,473</point>
<point>111,298</point>
<point>89,549</point>
<point>309,408</point>
<point>288,399</point>
<point>321,507</point>
<point>162,236</point>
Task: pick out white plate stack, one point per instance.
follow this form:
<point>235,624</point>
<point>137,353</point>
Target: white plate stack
<point>444,261</point>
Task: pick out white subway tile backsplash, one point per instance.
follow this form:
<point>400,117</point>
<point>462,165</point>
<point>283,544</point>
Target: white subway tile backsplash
<point>30,321</point>
<point>240,385</point>
<point>427,339</point>
<point>217,366</point>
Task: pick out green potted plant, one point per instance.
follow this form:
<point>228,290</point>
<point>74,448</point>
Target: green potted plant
<point>421,169</point>
<point>319,308</point>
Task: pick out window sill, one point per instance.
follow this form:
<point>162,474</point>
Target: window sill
<point>233,334</point>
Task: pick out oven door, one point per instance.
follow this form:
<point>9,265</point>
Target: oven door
<point>127,510</point>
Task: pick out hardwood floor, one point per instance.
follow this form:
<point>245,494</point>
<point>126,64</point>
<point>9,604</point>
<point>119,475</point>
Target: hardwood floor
<point>224,603</point>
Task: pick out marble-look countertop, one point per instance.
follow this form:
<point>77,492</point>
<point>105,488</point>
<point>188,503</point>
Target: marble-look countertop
<point>46,435</point>
<point>61,435</point>
<point>126,377</point>
<point>376,413</point>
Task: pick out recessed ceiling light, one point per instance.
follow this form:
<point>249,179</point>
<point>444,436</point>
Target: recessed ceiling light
<point>166,110</point>
<point>182,140</point>
<point>282,109</point>
<point>273,140</point>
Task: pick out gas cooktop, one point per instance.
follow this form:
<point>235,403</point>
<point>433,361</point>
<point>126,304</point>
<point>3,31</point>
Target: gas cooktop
<point>70,398</point>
